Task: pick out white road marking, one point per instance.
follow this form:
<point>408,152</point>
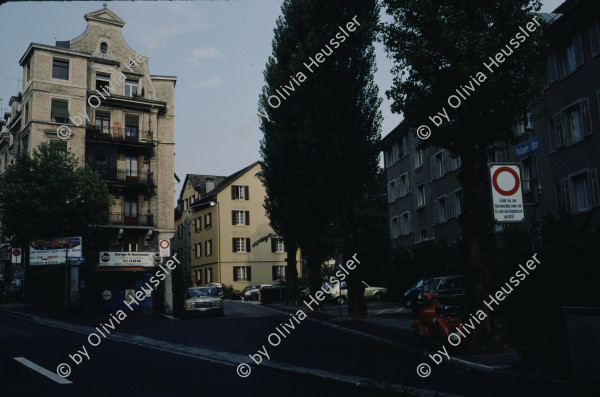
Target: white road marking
<point>42,371</point>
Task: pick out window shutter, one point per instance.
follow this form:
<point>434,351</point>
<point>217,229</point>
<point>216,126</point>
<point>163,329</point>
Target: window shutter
<point>578,47</point>
<point>234,248</point>
<point>551,135</point>
<point>247,245</point>
<point>431,168</point>
<point>247,218</point>
<point>436,205</point>
<point>233,217</point>
<point>235,276</point>
<point>560,131</point>
<point>586,119</point>
<point>233,192</point>
<point>593,175</point>
<point>273,245</point>
<point>132,120</point>
<point>274,271</point>
<point>248,273</point>
<point>247,192</point>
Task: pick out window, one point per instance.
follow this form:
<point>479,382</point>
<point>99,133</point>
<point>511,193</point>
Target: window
<point>130,211</point>
<point>131,87</point>
<point>442,163</point>
<point>423,234</point>
<point>240,218</point>
<point>578,193</point>
<point>28,71</point>
<point>60,69</point>
<point>240,193</point>
<point>103,47</point>
<point>573,54</point>
<point>421,195</point>
<point>241,244</point>
<point>277,245</point>
<point>198,249</point>
<point>179,231</point>
<point>198,276</point>
<point>392,191</point>
<point>198,224</point>
<point>404,184</point>
<point>132,123</point>
<point>242,273</point>
<point>208,247</point>
<point>552,67</point>
<point>26,113</point>
<point>59,112</point>
<point>100,158</point>
<point>595,37</point>
<point>207,220</point>
<point>208,274</point>
<point>103,121</point>
<point>457,204</point>
<point>278,272</point>
<point>526,174</point>
<point>500,155</point>
<point>405,223</point>
<point>394,227</point>
<point>188,243</point>
<point>131,167</point>
<point>102,82</point>
<point>418,157</point>
<point>571,126</point>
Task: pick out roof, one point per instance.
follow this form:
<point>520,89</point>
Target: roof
<point>52,48</point>
<point>566,6</point>
<point>390,138</point>
<point>224,183</point>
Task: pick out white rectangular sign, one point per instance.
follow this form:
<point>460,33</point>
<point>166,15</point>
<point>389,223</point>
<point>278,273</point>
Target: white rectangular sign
<point>147,259</point>
<point>165,248</point>
<point>53,251</point>
<point>507,196</point>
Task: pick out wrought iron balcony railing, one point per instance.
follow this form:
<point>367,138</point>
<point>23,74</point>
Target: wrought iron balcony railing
<point>112,174</point>
<point>121,219</point>
<point>114,134</point>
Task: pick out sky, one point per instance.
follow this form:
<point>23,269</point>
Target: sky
<point>218,53</point>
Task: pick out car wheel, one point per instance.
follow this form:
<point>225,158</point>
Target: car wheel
<point>378,297</point>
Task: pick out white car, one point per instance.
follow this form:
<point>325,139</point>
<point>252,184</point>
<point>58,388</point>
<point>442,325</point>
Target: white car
<point>375,293</point>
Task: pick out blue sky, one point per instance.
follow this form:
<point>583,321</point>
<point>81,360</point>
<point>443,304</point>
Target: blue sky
<point>218,53</point>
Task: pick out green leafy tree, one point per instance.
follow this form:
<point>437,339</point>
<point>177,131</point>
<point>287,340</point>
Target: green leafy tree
<point>49,195</point>
<point>439,47</point>
<point>326,130</point>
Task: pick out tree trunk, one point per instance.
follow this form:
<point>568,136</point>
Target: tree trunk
<point>314,265</point>
<point>357,307</point>
<point>291,272</point>
<point>478,244</point>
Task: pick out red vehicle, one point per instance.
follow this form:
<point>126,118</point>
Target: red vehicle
<point>437,320</point>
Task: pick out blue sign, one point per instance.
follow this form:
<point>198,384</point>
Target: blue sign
<point>77,258</point>
<point>528,147</point>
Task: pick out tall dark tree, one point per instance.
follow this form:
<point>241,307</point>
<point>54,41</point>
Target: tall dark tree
<point>49,195</point>
<point>441,47</point>
<point>327,127</point>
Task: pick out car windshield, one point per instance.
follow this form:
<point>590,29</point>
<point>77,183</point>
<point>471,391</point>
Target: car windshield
<point>194,292</point>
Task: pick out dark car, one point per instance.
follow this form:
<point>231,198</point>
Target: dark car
<point>3,293</point>
<point>15,289</point>
<point>450,290</point>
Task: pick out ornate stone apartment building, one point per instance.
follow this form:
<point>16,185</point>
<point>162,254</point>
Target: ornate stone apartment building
<point>119,119</point>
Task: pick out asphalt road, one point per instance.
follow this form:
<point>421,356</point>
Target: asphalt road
<point>172,368</point>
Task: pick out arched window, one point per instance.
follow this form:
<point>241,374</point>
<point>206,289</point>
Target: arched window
<point>103,47</point>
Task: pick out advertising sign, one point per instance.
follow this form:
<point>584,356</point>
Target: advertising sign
<point>148,259</point>
<point>52,251</point>
<point>507,196</point>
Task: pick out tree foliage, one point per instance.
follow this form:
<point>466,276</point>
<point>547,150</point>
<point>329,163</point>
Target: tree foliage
<point>440,47</point>
<point>319,148</point>
<point>48,195</point>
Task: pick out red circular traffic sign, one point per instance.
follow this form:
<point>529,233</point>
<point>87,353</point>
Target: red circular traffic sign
<point>495,181</point>
<point>16,252</point>
<point>163,246</point>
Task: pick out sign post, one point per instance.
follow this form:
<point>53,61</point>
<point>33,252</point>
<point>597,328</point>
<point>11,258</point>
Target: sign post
<point>507,196</point>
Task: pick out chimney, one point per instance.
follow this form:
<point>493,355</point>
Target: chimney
<point>210,184</point>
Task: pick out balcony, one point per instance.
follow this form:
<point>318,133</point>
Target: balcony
<point>122,176</point>
<point>119,219</point>
<point>118,135</point>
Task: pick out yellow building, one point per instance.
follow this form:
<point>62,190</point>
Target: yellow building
<point>218,220</point>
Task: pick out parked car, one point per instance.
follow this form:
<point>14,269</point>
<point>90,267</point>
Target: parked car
<point>15,290</point>
<point>200,300</point>
<point>449,288</point>
<point>218,286</point>
<point>3,295</point>
<point>376,293</point>
<point>253,291</point>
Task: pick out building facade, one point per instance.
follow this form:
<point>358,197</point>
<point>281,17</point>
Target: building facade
<point>95,95</point>
<point>562,177</point>
<point>218,220</point>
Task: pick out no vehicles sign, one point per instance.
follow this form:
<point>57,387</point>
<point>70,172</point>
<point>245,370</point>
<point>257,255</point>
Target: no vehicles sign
<point>165,250</point>
<point>507,196</point>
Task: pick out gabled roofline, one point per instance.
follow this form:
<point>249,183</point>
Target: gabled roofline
<point>59,50</point>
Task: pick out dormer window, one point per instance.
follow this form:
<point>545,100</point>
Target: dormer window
<point>103,47</point>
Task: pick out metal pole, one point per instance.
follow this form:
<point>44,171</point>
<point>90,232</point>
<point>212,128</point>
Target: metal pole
<point>340,287</point>
<point>535,238</point>
<point>66,278</point>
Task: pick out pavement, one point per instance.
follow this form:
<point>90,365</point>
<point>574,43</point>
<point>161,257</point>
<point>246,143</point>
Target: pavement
<point>375,355</point>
